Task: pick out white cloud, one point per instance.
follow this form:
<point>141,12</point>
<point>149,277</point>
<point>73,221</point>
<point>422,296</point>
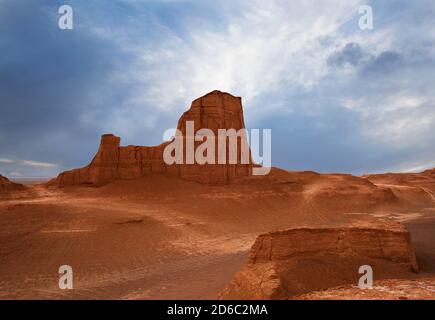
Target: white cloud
<point>273,44</point>
<point>411,167</point>
<point>30,163</point>
<point>420,167</point>
<point>401,130</point>
<point>399,120</point>
<point>352,104</point>
<point>405,101</point>
<point>5,160</point>
<point>39,164</point>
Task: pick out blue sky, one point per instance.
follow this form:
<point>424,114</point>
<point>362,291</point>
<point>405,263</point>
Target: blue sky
<point>337,98</point>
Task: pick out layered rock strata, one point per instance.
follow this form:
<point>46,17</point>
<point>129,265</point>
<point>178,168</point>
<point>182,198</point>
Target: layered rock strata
<point>7,186</point>
<point>295,261</point>
<point>216,110</point>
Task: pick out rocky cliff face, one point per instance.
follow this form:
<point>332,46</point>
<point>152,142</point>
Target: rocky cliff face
<point>296,261</point>
<point>3,180</point>
<point>216,110</point>
<point>6,185</point>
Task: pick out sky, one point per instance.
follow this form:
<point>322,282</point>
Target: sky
<point>337,98</point>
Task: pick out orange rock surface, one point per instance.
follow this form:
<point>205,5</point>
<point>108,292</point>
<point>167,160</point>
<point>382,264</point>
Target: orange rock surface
<point>393,289</point>
<point>299,260</point>
<point>6,185</point>
<point>147,234</point>
<point>216,110</point>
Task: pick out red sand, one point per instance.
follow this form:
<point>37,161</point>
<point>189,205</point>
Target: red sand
<point>145,233</point>
<point>161,237</point>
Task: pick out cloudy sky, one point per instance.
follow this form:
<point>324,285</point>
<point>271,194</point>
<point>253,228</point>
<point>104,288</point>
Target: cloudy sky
<point>337,98</point>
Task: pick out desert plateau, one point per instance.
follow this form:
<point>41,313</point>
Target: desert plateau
<point>133,227</point>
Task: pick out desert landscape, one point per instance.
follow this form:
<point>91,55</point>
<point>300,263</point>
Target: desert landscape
<point>132,227</point>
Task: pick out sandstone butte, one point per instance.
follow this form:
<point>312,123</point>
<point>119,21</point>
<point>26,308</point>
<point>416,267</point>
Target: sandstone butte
<point>295,261</point>
<point>215,110</point>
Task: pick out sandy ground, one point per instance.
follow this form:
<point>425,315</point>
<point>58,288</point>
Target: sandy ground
<point>161,237</point>
<point>391,289</point>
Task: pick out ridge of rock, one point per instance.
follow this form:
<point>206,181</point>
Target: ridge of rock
<point>299,260</point>
<point>215,110</point>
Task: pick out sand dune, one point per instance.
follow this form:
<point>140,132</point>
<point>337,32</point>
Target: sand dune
<point>164,237</point>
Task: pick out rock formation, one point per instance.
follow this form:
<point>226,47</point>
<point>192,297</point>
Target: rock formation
<point>295,261</point>
<point>416,189</point>
<point>216,110</point>
<point>6,185</point>
<point>423,179</point>
<point>3,180</point>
